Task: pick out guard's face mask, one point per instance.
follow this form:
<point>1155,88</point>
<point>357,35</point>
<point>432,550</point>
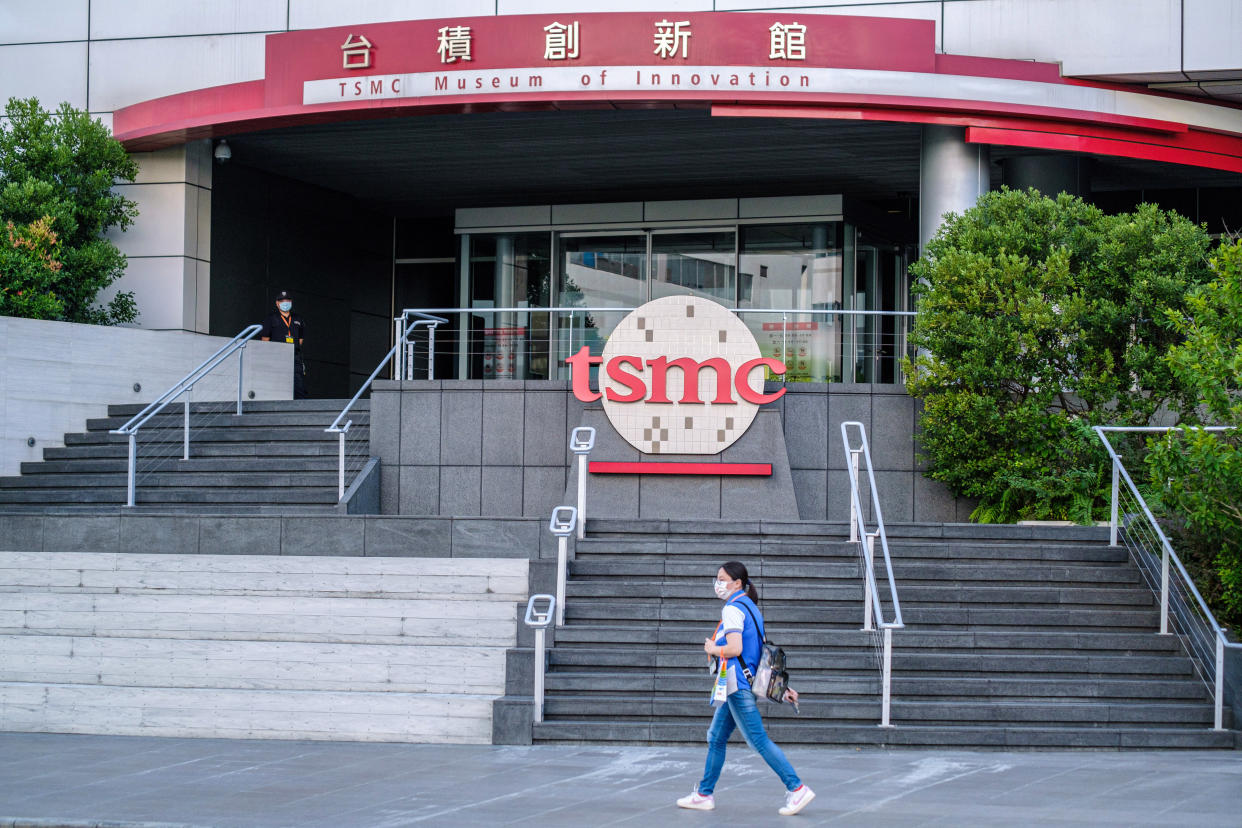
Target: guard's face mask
<point>285,306</point>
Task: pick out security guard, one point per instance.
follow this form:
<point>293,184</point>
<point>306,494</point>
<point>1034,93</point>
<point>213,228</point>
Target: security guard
<point>288,326</point>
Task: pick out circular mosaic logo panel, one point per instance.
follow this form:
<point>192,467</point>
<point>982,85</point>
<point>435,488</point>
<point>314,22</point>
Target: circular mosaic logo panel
<point>697,345</point>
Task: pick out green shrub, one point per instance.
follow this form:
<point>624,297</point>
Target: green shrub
<point>1039,318</point>
<point>1198,473</point>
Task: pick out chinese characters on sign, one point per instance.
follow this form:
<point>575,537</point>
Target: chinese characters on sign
<point>560,41</point>
<point>669,35</point>
<point>356,54</point>
<point>454,44</point>
<point>788,41</point>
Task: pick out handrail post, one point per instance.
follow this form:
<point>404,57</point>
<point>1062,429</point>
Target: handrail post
<point>539,620</point>
<point>1219,716</point>
<point>581,441</point>
<point>185,438</point>
<point>431,352</point>
<point>131,469</point>
<point>886,679</point>
<point>1164,590</point>
<point>1112,521</point>
<point>241,373</point>
<point>868,597</point>
<point>855,517</point>
<point>340,469</point>
<point>562,525</point>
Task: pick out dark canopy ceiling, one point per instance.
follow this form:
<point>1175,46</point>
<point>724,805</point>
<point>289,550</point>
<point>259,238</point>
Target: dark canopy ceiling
<point>434,163</point>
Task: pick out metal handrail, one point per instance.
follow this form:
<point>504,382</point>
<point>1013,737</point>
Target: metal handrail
<point>184,386</point>
<point>342,430</point>
<point>1169,557</point>
<point>404,366</point>
<point>873,611</point>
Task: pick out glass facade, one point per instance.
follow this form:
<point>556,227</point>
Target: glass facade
<point>816,295</point>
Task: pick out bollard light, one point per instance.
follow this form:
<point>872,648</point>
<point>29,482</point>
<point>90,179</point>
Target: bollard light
<point>564,519</point>
<point>581,441</point>
<point>539,611</point>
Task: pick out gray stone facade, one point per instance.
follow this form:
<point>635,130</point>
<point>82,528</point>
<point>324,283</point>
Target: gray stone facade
<point>499,448</point>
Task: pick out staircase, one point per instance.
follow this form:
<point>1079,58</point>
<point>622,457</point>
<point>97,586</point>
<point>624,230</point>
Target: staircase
<point>275,458</point>
<point>255,646</point>
<point>1010,641</point>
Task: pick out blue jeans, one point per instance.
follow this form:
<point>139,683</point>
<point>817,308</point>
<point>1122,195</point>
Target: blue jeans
<point>741,712</point>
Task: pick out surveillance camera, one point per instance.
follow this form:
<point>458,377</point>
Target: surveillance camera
<point>222,152</point>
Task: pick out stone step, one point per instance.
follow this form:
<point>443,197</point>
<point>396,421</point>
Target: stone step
<point>456,718</point>
<point>279,449</point>
<point>790,614</point>
<point>905,686</point>
<point>493,581</point>
<point>980,736</point>
<point>250,665</point>
<point>213,433</point>
<point>128,410</point>
<point>250,463</point>
<point>171,418</point>
<point>115,495</point>
<point>1055,641</point>
<point>918,594</point>
<point>902,712</point>
<point>622,528</point>
<point>803,661</point>
<point>171,475</point>
<point>656,551</point>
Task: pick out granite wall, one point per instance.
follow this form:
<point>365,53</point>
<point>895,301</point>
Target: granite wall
<point>499,448</point>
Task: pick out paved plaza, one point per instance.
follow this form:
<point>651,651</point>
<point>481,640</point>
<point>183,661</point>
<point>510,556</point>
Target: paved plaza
<point>69,780</point>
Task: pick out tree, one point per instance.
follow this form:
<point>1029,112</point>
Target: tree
<point>1198,473</point>
<point>59,168</point>
<point>1039,318</point>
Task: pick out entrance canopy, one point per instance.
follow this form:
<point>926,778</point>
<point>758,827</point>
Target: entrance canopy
<point>737,67</point>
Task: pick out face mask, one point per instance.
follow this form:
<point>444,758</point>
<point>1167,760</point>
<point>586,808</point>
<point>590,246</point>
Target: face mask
<point>722,589</point>
<point>285,306</point>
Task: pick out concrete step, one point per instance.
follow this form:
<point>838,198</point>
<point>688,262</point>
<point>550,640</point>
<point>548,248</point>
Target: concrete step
<point>279,449</point>
<point>46,707</point>
<point>128,410</point>
<point>218,433</point>
<point>980,736</point>
<point>1040,713</point>
<point>169,494</point>
<point>172,475</point>
<point>171,418</point>
<point>105,465</point>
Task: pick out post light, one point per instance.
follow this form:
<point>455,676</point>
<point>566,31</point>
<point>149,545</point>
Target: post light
<point>564,518</point>
<point>538,616</point>
<point>581,441</point>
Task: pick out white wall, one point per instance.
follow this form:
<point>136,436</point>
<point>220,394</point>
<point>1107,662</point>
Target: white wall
<point>54,375</point>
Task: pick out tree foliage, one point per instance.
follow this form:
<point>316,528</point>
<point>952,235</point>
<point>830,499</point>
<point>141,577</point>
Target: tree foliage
<point>30,264</point>
<point>59,168</point>
<point>1199,473</point>
<point>1039,318</point>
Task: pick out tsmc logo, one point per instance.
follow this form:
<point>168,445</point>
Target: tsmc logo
<point>680,375</point>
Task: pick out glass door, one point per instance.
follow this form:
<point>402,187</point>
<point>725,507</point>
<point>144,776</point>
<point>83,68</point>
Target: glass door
<point>597,271</point>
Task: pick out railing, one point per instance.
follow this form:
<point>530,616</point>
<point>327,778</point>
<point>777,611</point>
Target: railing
<point>819,345</point>
<point>158,448</point>
<point>873,609</point>
<point>351,458</point>
<point>538,619</point>
<point>407,357</point>
<point>1132,522</point>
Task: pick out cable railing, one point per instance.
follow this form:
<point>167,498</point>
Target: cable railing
<point>816,345</point>
<point>353,450</point>
<point>873,607</point>
<point>1132,523</point>
<point>160,448</point>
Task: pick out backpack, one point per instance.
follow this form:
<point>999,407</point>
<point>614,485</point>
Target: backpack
<point>770,680</point>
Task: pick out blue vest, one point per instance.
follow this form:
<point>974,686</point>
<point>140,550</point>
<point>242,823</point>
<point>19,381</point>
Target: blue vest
<point>752,638</point>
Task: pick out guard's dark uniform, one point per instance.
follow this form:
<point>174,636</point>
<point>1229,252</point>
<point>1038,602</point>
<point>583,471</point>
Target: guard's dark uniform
<point>278,328</point>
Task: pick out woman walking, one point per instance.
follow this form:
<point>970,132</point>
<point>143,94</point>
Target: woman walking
<point>739,639</point>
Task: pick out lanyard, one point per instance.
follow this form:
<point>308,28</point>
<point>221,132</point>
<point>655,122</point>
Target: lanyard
<point>288,324</point>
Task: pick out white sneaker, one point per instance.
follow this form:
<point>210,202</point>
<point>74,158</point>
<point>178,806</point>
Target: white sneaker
<point>796,800</point>
<point>697,802</point>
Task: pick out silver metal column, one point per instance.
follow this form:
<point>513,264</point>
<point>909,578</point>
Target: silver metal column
<point>952,176</point>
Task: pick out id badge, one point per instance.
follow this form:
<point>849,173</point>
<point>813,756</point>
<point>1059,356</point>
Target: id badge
<point>720,689</point>
<point>289,339</point>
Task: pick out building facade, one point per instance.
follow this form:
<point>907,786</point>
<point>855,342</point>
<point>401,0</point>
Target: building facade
<point>383,155</point>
